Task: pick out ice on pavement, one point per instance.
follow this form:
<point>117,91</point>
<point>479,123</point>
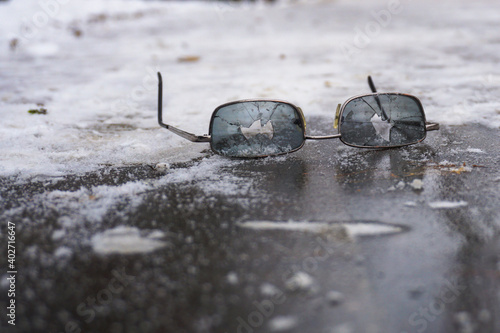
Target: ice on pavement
<point>352,229</point>
<point>447,204</point>
<point>92,65</point>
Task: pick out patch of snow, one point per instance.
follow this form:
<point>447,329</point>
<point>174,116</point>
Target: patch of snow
<point>417,184</point>
<point>105,112</point>
<point>162,166</point>
<point>124,240</point>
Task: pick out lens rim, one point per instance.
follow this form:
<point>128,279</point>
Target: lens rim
<point>296,108</point>
<point>419,103</point>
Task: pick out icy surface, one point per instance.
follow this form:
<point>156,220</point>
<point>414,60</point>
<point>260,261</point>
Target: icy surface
<point>447,204</point>
<point>353,230</point>
<point>92,65</point>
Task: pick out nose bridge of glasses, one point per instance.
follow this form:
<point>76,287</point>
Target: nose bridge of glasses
<point>335,125</point>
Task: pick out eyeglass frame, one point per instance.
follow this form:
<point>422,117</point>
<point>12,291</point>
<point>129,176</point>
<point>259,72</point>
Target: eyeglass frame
<point>429,126</point>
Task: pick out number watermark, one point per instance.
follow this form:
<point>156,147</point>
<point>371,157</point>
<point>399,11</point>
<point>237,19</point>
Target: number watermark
<point>11,272</point>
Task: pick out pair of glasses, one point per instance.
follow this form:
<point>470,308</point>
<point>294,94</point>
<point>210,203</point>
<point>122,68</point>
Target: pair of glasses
<point>260,127</point>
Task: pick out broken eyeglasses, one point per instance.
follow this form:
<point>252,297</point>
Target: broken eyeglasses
<point>259,128</point>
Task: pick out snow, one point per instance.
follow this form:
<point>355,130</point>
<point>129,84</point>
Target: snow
<point>417,184</point>
<point>93,66</point>
<point>125,240</point>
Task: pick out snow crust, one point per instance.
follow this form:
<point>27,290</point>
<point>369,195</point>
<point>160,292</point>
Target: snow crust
<point>92,65</point>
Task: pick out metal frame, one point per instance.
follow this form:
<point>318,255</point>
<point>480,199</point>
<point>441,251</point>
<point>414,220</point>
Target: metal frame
<point>340,110</point>
<point>376,94</point>
<point>296,108</point>
<point>186,135</point>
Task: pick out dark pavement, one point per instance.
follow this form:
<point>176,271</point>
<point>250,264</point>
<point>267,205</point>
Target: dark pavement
<point>439,274</point>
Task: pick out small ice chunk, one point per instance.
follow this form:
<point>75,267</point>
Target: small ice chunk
<point>334,297</point>
<point>58,234</point>
<point>232,278</point>
<point>371,229</point>
<point>268,289</point>
<point>63,251</point>
<point>410,204</point>
<point>417,184</point>
<point>124,240</point>
<point>447,204</point>
<point>401,185</point>
<point>282,323</point>
<point>341,230</point>
<point>156,234</point>
<point>301,281</point>
<point>162,167</point>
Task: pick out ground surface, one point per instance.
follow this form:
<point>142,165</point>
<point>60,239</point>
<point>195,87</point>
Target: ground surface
<point>124,227</point>
<point>438,273</point>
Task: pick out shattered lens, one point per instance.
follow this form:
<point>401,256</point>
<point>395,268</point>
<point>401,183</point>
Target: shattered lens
<point>382,120</point>
<point>256,128</point>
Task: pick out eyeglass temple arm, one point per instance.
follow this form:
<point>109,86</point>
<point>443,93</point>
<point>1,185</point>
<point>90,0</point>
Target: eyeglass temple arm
<point>374,90</point>
<point>428,125</point>
<point>184,134</point>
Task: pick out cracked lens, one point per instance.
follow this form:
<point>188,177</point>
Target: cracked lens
<point>382,120</point>
<point>257,128</point>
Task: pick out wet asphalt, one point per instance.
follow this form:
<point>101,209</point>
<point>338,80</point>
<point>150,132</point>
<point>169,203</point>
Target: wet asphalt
<point>439,274</point>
